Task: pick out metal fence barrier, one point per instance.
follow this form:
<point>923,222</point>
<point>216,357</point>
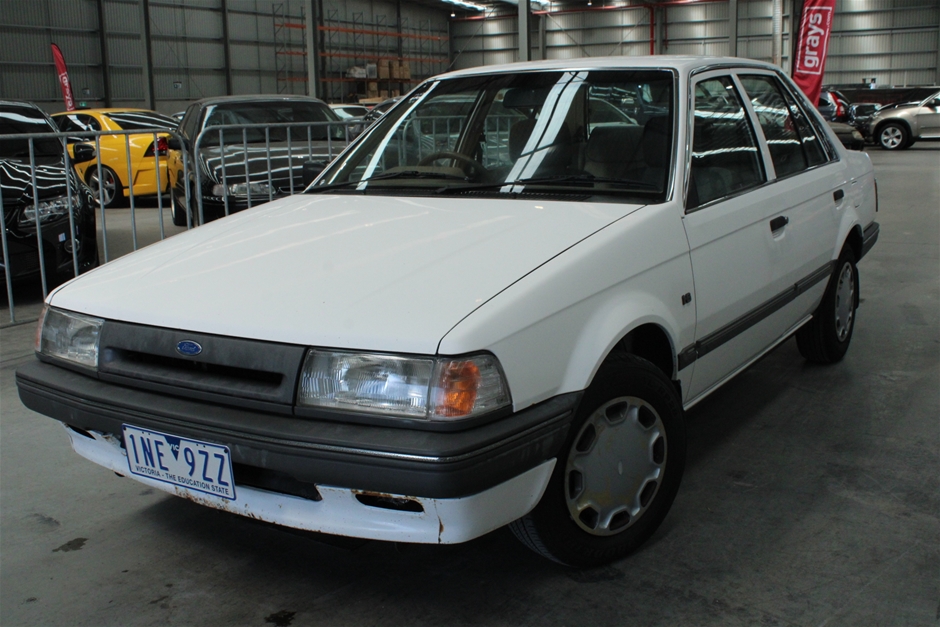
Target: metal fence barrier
<point>256,162</point>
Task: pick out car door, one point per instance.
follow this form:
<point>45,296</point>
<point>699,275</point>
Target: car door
<point>746,227</point>
<point>928,117</point>
<point>809,185</point>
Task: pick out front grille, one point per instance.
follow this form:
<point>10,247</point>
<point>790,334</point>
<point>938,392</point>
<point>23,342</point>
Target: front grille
<point>147,357</point>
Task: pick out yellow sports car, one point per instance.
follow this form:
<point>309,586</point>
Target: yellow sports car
<point>114,153</point>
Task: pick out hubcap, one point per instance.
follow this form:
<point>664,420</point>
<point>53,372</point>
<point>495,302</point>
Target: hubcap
<point>845,302</point>
<point>615,466</point>
<point>109,185</point>
<point>891,137</point>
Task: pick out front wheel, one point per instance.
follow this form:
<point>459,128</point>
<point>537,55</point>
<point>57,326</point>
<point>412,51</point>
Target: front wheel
<point>825,339</point>
<point>894,136</point>
<point>619,472</point>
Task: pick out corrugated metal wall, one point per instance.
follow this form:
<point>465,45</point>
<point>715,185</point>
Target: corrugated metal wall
<point>187,37</point>
<point>28,28</point>
<point>894,41</point>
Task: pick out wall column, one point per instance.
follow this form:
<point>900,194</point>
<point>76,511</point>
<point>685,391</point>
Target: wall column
<point>733,28</point>
<point>525,16</point>
<point>105,61</point>
<point>313,82</point>
<point>147,66</point>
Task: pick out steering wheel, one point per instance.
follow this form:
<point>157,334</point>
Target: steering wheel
<point>447,154</point>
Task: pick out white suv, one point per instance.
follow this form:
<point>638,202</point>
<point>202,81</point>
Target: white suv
<point>476,316</point>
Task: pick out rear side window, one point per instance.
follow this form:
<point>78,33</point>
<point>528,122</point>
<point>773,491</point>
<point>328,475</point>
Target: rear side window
<point>793,144</point>
<point>77,122</point>
<point>142,121</point>
<point>725,157</point>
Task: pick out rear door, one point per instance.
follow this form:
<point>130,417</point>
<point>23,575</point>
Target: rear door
<point>760,219</point>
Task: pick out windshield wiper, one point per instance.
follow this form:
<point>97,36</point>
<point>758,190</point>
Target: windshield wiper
<point>401,174</point>
<point>556,179</point>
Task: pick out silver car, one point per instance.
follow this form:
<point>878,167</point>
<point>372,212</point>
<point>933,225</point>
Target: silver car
<point>897,127</point>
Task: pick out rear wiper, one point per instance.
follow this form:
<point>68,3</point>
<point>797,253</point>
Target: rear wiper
<point>401,174</point>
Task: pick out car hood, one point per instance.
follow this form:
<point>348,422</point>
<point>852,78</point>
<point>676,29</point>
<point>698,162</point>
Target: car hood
<point>362,272</point>
<point>898,105</point>
<point>16,180</point>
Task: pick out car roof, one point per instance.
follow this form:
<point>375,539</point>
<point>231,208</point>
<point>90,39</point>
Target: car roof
<point>110,110</point>
<point>682,64</point>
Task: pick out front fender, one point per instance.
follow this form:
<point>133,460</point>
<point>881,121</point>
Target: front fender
<point>553,328</point>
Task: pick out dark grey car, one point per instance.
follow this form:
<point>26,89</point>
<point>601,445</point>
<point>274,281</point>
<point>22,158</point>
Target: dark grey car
<point>251,149</point>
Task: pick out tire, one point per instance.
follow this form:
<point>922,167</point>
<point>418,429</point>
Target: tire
<point>894,136</point>
<point>825,339</point>
<point>113,189</point>
<point>627,442</point>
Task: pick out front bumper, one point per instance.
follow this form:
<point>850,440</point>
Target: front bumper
<point>340,512</point>
<point>480,478</point>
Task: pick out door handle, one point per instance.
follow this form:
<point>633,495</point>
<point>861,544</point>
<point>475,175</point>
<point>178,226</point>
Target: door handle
<point>838,195</point>
<point>779,222</point>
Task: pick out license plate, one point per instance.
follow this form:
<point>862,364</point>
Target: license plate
<point>195,465</point>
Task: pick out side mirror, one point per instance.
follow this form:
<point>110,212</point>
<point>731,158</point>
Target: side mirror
<point>174,143</point>
<point>82,153</point>
<point>312,170</point>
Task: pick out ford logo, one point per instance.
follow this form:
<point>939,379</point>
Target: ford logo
<point>188,348</point>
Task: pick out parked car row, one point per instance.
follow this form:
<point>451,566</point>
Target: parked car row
<point>893,127</point>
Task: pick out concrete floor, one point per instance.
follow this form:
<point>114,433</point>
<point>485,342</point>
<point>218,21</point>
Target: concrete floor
<point>810,498</point>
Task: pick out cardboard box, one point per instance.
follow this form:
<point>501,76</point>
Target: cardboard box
<point>404,71</point>
<point>395,93</point>
<point>383,94</point>
<point>393,69</point>
<point>383,71</point>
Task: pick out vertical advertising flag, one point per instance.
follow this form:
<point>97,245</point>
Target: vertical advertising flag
<point>63,75</point>
<point>812,44</point>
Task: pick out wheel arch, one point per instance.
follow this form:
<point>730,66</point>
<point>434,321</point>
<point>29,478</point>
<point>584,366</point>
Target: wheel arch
<point>651,342</point>
<point>650,335</point>
<point>900,121</point>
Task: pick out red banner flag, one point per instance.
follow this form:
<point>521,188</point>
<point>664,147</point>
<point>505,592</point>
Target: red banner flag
<point>812,44</point>
<point>63,75</point>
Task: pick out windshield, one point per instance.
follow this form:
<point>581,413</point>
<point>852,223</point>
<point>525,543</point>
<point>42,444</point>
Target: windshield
<point>571,132</point>
<point>256,115</point>
<point>15,120</point>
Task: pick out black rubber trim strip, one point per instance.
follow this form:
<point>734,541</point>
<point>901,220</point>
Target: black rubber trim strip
<point>869,237</point>
<point>366,457</point>
<point>728,332</point>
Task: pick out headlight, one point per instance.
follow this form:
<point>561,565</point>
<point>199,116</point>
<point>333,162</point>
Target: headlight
<point>242,189</point>
<point>49,210</point>
<point>69,336</point>
<point>423,388</point>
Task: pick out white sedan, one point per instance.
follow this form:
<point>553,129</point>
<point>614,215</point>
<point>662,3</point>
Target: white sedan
<point>478,315</point>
